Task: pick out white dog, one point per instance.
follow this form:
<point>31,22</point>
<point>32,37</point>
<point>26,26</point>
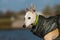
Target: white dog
<point>30,18</point>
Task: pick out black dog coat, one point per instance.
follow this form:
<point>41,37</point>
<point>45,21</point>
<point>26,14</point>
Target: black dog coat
<point>44,26</point>
<point>58,21</point>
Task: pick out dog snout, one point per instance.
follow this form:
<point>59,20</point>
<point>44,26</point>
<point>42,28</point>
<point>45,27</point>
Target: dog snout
<point>24,26</point>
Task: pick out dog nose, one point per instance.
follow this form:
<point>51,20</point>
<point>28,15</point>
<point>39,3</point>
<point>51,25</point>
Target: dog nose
<point>24,26</point>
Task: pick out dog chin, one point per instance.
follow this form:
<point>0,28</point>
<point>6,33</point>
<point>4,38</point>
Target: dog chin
<point>29,27</point>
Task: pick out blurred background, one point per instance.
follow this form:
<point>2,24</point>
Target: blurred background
<point>12,17</point>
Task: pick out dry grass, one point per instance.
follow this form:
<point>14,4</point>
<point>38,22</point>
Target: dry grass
<point>5,23</point>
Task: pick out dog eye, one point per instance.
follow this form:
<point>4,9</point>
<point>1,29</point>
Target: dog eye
<point>29,17</point>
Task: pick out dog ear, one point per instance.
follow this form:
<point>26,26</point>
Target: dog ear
<point>26,9</point>
<point>32,8</point>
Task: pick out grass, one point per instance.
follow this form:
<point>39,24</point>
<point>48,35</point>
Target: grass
<point>5,20</point>
<point>5,23</point>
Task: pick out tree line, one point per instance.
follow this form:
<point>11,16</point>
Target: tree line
<point>55,10</point>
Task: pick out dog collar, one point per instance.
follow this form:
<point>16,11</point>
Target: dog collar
<point>36,21</point>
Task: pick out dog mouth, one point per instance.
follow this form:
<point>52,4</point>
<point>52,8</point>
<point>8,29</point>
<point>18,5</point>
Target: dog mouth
<point>32,24</point>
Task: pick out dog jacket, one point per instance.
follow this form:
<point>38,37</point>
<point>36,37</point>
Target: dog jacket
<point>43,25</point>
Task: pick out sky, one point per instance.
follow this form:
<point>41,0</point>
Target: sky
<point>17,5</point>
